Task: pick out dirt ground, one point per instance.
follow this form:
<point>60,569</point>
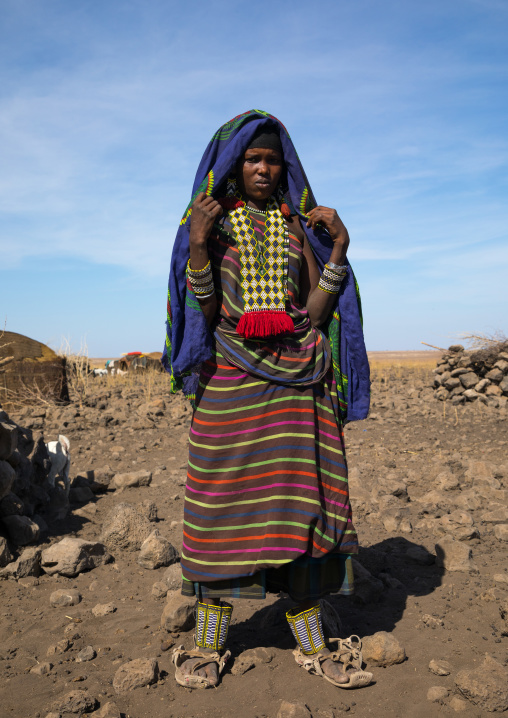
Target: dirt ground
<point>445,461</point>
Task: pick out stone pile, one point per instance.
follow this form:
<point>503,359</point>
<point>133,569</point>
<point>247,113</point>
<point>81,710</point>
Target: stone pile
<point>27,500</point>
<point>466,376</point>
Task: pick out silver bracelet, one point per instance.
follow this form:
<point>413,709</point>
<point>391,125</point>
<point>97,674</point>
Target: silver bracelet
<point>336,267</point>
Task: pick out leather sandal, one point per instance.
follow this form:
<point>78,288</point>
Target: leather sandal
<point>348,652</point>
<point>190,680</point>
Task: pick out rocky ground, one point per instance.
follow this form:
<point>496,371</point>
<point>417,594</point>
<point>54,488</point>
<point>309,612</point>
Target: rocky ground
<point>94,631</point>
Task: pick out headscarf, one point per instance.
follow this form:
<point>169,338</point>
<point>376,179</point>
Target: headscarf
<point>189,341</point>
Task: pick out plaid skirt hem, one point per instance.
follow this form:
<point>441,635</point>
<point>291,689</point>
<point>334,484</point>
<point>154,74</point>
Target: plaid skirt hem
<point>304,579</point>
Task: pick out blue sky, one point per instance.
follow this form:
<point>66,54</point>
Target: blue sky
<point>398,110</point>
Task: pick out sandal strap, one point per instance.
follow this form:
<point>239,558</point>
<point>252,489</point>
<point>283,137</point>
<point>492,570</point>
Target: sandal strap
<point>348,652</point>
<point>180,655</point>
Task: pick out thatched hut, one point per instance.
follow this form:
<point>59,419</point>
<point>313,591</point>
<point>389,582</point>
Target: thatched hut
<point>30,370</point>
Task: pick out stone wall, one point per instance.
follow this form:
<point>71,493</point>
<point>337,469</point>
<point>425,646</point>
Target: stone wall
<point>466,376</point>
<point>27,500</point>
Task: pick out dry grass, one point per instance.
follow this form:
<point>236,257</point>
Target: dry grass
<point>391,368</point>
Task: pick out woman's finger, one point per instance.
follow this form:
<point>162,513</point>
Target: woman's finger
<point>208,199</point>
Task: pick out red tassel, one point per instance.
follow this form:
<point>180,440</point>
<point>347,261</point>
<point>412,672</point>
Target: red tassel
<point>286,212</point>
<point>229,203</point>
<point>259,325</point>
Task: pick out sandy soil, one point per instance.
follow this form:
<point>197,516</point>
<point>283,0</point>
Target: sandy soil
<point>436,614</point>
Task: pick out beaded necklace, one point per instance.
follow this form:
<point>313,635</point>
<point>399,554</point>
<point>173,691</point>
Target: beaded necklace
<point>264,270</point>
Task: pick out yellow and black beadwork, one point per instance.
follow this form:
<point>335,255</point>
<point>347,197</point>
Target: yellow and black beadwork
<point>331,279</point>
<point>264,265</point>
<point>307,629</point>
<point>201,280</point>
<point>212,625</point>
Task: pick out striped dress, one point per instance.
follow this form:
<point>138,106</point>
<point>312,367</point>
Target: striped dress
<point>266,503</point>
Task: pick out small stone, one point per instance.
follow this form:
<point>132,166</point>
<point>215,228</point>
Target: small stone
<point>457,704</point>
<point>439,667</point>
<point>500,577</point>
<point>157,551</point>
<point>452,383</point>
<point>149,510</point>
<point>7,478</point>
<point>494,375</point>
<point>100,478</point>
<point>135,674</point>
<point>86,654</point>
<point>11,505</point>
<point>293,710</point>
<point>469,380</point>
<point>102,609</point>
<point>65,597</point>
<point>482,385</point>
<point>382,649</point>
<point>60,647</point>
<point>41,669</point>
<point>437,694</point>
<point>27,565</point>
<point>471,394</point>
<point>251,658</point>
<point>125,528</point>
<point>498,516</point>
<point>173,577</point>
<point>454,555</point>
<point>8,440</point>
<point>431,621</point>
<point>501,532</point>
<point>5,555</point>
<point>178,613</point>
<point>78,702</point>
<point>71,632</point>
<point>159,589</point>
<point>21,529</point>
<point>166,645</point>
<point>108,710</point>
<point>131,479</point>
<point>486,686</point>
<point>71,556</point>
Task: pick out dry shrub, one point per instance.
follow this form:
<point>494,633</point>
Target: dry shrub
<point>486,349</point>
<point>486,341</point>
<point>78,370</point>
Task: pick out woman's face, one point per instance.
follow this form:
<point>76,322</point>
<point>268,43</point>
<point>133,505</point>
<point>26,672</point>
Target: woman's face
<point>258,173</point>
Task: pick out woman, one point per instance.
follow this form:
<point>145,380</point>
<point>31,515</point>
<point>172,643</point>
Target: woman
<point>264,335</point>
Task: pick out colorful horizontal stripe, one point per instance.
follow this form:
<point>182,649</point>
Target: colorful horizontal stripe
<point>267,477</point>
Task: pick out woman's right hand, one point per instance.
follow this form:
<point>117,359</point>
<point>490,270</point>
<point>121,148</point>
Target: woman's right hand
<point>205,211</point>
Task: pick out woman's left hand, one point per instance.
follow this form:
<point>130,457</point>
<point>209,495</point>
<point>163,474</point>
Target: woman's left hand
<point>331,221</point>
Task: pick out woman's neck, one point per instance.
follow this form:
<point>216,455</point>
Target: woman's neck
<point>257,203</point>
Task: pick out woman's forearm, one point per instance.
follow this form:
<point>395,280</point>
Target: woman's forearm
<point>199,258</point>
<point>319,302</point>
<point>319,306</point>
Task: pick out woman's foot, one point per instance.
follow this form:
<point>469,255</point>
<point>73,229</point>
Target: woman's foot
<point>344,666</point>
<point>210,671</point>
<point>332,669</point>
<point>199,667</point>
